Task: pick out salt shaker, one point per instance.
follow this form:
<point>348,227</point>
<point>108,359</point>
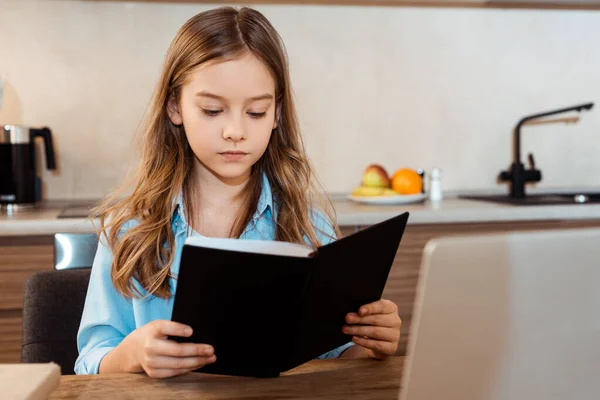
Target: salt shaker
<point>435,185</point>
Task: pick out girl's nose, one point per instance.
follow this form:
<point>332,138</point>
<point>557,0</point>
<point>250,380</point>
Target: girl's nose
<point>234,130</point>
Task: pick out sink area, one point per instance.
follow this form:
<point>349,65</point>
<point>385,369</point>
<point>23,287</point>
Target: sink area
<point>541,199</point>
<point>517,176</point>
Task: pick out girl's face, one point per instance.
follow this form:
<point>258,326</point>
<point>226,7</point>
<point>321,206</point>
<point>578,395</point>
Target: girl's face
<point>228,112</point>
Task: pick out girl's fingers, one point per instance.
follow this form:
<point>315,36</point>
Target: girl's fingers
<point>175,349</point>
<point>163,328</point>
<point>385,320</point>
<point>377,346</point>
<point>182,363</point>
<point>373,332</point>
<point>382,306</point>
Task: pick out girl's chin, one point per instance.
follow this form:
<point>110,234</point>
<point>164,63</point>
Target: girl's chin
<point>233,173</point>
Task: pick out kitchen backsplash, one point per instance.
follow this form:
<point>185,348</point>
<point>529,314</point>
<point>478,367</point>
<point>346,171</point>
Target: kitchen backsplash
<point>417,87</point>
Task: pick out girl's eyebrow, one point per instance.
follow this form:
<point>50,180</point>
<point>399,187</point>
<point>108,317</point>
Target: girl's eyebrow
<point>265,96</point>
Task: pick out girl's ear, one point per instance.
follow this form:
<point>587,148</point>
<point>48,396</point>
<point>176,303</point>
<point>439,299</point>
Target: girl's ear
<point>173,111</point>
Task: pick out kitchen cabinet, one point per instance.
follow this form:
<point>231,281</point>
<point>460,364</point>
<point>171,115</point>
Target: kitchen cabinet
<point>20,257</point>
<point>540,4</point>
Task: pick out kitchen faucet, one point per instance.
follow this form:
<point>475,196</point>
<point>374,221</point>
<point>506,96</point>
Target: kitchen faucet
<point>518,175</point>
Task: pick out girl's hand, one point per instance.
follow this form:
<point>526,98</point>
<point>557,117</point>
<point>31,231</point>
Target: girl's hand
<point>376,327</point>
<point>160,357</point>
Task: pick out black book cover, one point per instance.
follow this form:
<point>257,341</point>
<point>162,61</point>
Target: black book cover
<point>267,313</point>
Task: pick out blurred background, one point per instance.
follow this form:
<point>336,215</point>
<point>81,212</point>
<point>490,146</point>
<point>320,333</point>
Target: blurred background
<point>417,87</point>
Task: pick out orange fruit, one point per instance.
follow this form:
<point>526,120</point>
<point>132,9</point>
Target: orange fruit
<point>407,181</point>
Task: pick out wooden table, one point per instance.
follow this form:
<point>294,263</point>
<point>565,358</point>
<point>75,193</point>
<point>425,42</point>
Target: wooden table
<point>336,378</point>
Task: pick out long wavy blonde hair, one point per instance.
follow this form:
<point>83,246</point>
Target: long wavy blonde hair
<point>144,252</point>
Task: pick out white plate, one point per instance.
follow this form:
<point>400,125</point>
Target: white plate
<point>389,200</point>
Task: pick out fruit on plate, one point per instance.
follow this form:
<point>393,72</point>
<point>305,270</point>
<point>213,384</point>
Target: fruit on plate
<point>369,191</point>
<point>407,181</point>
<point>375,176</point>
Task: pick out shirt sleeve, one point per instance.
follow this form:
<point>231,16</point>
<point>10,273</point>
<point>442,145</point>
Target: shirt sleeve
<point>326,234</point>
<point>337,352</point>
<point>107,315</point>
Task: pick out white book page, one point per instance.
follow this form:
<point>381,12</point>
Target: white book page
<point>251,246</point>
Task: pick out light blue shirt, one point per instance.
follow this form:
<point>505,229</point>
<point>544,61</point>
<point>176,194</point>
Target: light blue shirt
<point>108,317</point>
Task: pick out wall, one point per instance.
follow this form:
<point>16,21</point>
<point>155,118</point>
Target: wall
<point>398,86</point>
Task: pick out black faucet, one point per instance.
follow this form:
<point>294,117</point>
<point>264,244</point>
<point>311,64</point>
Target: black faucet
<point>518,175</point>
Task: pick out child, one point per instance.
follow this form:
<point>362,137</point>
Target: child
<point>223,157</point>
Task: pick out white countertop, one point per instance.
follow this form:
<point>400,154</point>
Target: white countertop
<point>44,221</point>
<point>454,210</point>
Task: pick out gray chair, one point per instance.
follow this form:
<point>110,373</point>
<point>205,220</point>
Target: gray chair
<point>52,308</point>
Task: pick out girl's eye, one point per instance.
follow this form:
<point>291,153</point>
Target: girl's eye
<point>257,115</point>
<point>211,113</point>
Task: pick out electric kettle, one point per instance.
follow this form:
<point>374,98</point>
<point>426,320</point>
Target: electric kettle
<point>20,186</point>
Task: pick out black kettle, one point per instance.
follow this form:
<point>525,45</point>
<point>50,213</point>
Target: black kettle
<point>20,187</point>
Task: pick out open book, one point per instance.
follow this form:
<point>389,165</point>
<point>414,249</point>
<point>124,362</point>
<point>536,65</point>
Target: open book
<point>267,307</point>
<point>252,246</point>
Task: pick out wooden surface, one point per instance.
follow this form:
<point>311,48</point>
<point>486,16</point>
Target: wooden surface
<point>403,278</point>
<point>20,257</point>
<point>363,379</point>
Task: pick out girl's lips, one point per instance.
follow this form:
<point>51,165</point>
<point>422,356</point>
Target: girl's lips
<point>233,155</point>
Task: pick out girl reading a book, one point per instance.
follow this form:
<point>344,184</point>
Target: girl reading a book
<point>222,156</point>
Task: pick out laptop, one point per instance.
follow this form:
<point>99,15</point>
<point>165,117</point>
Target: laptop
<point>507,316</point>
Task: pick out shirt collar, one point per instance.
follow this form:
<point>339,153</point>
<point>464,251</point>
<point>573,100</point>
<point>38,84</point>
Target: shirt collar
<point>265,203</point>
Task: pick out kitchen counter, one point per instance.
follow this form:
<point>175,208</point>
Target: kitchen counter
<point>44,219</point>
<point>456,210</point>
